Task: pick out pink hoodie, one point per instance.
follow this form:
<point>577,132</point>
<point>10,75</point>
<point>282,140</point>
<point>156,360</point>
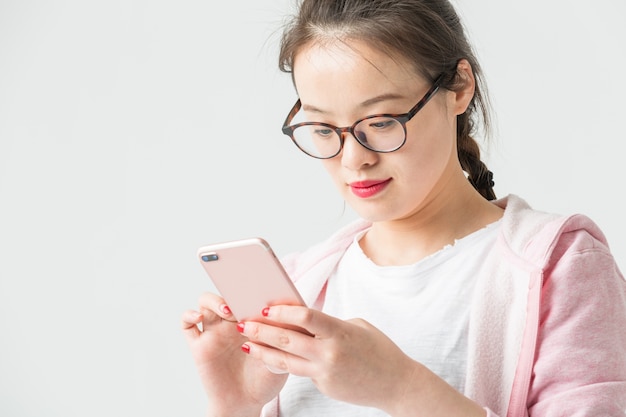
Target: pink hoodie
<point>548,327</point>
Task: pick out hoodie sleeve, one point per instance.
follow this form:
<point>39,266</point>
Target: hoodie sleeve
<point>580,365</point>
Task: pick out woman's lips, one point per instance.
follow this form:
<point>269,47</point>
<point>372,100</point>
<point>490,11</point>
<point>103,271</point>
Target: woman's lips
<point>366,189</point>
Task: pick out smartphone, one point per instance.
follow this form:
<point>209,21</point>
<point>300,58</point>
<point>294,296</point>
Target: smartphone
<point>249,277</point>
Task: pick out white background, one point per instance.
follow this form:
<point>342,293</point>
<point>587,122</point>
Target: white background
<point>132,132</point>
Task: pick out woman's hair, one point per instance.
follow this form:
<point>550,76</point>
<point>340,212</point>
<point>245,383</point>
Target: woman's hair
<point>427,33</point>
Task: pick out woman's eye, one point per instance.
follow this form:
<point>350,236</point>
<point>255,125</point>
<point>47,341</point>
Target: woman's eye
<point>323,132</point>
<point>382,124</point>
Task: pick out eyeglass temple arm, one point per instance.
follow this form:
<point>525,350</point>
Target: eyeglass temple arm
<point>433,90</point>
<point>295,109</point>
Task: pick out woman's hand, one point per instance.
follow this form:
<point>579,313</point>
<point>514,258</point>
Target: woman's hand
<point>352,361</point>
<point>347,360</point>
<point>236,384</point>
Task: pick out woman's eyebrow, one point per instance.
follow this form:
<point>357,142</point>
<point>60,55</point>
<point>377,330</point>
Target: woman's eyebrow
<point>312,109</point>
<point>367,103</point>
<point>381,98</point>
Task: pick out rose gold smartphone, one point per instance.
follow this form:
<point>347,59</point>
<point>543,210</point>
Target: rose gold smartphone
<point>248,276</point>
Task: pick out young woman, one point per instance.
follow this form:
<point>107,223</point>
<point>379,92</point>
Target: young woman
<point>441,300</point>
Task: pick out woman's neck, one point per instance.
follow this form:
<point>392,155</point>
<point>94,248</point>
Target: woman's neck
<point>439,223</point>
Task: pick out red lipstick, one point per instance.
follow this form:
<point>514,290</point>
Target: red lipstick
<point>366,189</point>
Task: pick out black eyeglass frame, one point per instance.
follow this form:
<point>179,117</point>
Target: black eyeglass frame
<point>401,118</point>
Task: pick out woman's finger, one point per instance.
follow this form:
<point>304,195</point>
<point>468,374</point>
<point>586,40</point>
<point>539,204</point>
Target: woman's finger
<point>190,321</point>
<point>217,305</point>
<point>278,361</point>
<point>315,322</point>
<point>213,309</point>
<point>287,341</point>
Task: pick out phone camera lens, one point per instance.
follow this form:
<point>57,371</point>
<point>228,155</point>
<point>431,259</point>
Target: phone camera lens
<point>210,257</point>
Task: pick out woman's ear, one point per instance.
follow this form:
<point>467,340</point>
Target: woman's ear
<point>466,85</point>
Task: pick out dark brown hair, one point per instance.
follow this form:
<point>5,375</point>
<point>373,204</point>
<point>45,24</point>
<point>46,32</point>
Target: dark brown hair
<point>427,33</point>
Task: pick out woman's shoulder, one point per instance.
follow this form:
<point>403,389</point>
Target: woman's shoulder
<point>535,235</point>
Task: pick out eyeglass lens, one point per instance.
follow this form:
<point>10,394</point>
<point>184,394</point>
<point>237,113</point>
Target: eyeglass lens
<point>382,134</point>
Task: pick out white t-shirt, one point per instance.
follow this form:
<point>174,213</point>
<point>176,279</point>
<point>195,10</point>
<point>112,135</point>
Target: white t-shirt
<point>424,308</point>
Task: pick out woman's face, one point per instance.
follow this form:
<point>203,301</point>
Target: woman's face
<point>340,83</point>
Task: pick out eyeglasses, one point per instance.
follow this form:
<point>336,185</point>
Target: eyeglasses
<point>379,132</point>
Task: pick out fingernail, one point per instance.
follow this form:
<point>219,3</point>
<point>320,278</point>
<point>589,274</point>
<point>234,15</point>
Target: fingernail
<point>245,348</point>
<point>240,327</point>
<point>225,309</point>
<point>265,312</point>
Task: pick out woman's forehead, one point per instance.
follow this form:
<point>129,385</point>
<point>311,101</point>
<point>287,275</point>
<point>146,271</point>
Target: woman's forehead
<point>352,79</point>
<point>352,63</point>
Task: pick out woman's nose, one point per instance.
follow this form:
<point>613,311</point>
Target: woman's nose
<point>354,155</point>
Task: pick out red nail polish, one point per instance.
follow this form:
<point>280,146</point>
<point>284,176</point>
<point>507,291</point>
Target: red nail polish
<point>240,327</point>
<point>226,309</point>
<point>245,348</point>
<point>266,311</point>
